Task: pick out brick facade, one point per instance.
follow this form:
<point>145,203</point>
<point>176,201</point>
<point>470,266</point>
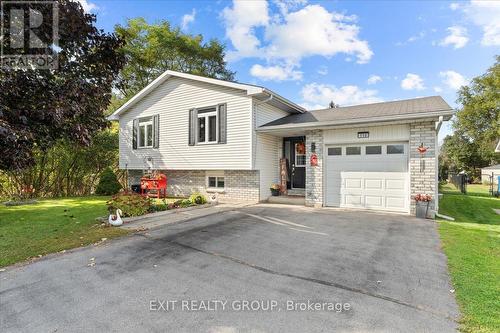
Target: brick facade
<point>423,169</point>
<point>314,175</point>
<point>240,185</point>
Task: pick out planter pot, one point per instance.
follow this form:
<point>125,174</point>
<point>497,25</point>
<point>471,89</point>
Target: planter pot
<point>422,208</point>
<point>275,192</point>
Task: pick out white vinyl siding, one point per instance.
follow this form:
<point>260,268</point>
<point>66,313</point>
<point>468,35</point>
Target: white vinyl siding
<point>267,148</point>
<point>388,133</point>
<point>172,100</point>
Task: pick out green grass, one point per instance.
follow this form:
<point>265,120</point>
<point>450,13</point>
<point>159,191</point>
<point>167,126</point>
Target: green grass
<point>478,190</point>
<point>51,226</point>
<point>472,245</point>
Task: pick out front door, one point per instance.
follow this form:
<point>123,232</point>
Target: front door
<point>295,152</point>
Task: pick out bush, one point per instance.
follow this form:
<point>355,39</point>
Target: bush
<point>131,204</point>
<point>108,183</point>
<point>186,203</point>
<point>198,199</point>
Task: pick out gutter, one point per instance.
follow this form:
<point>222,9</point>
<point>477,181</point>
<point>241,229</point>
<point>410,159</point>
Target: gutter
<point>439,123</point>
<point>283,100</point>
<point>319,125</point>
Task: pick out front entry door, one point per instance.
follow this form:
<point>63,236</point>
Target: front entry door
<point>297,161</point>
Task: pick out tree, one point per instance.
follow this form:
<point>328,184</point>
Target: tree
<point>151,49</point>
<point>108,183</point>
<point>459,153</point>
<point>479,116</point>
<point>332,105</point>
<point>40,107</point>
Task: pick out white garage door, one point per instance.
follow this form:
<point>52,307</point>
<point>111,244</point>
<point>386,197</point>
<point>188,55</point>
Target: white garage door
<point>368,176</point>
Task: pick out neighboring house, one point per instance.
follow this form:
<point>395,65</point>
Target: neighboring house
<point>488,172</point>
<point>215,136</point>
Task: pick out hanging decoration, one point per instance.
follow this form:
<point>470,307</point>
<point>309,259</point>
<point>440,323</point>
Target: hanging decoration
<point>300,148</point>
<point>422,150</point>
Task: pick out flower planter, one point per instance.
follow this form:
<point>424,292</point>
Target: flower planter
<point>422,209</point>
<point>275,192</point>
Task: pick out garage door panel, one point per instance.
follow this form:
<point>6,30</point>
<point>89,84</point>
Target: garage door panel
<point>374,201</point>
<point>374,184</point>
<point>353,183</point>
<point>377,182</point>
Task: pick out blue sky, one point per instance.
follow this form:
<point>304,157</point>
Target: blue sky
<point>350,52</point>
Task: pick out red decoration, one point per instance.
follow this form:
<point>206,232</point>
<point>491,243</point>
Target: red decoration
<point>421,149</point>
<point>314,160</point>
<point>156,183</point>
<point>423,197</point>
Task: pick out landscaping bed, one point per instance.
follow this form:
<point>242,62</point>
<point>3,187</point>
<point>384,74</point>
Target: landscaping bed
<point>472,245</point>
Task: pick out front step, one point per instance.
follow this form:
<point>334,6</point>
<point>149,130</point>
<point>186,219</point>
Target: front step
<point>288,200</point>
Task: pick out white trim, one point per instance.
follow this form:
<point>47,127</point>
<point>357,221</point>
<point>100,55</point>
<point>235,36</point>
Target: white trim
<point>327,124</point>
<point>206,116</point>
<point>250,89</point>
<point>145,123</point>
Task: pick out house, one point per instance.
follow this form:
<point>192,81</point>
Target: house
<point>214,136</point>
<point>491,171</point>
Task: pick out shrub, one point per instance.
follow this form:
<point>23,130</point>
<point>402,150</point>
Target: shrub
<point>198,199</point>
<point>186,203</point>
<point>131,204</point>
<point>108,183</point>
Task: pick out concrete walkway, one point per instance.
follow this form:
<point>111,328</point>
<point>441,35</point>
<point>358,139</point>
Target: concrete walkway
<point>156,220</point>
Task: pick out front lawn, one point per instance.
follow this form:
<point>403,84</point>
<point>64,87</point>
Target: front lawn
<point>51,226</point>
<point>472,244</point>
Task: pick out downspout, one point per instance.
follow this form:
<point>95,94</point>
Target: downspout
<point>436,149</point>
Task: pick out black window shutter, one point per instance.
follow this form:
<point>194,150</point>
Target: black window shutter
<point>222,123</point>
<point>193,113</point>
<point>135,130</point>
<point>156,131</point>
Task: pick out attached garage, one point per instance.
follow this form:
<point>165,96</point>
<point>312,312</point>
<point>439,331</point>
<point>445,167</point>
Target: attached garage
<point>368,176</point>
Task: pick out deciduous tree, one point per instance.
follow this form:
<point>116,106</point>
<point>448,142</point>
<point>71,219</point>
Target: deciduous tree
<point>40,107</point>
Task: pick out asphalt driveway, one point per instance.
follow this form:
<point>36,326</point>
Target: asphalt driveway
<point>262,268</point>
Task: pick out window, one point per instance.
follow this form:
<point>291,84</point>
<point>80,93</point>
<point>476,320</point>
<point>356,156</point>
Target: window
<point>373,150</point>
<point>146,132</point>
<point>395,149</point>
<point>207,125</point>
<point>353,150</point>
<point>216,182</point>
<point>335,151</point>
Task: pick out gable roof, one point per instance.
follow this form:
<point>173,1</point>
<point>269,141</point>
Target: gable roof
<point>496,166</point>
<point>385,111</point>
<point>251,90</point>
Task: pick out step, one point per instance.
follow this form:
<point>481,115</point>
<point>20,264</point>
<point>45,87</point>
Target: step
<point>288,200</point>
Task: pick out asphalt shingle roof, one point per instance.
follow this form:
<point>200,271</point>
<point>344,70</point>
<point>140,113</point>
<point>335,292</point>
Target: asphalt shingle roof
<point>374,110</point>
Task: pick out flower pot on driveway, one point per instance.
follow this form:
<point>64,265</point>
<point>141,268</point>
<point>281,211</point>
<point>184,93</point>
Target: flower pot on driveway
<point>275,192</point>
<point>422,208</point>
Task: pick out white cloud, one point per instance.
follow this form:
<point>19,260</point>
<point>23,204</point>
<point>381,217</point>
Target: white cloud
<point>323,70</point>
<point>87,5</point>
<point>438,89</point>
<point>317,96</point>
<point>241,21</point>
<point>485,14</point>
<point>275,73</point>
<point>291,34</point>
<point>373,79</point>
<point>453,79</point>
<point>187,19</point>
<point>457,37</point>
<point>412,82</point>
<point>454,6</point>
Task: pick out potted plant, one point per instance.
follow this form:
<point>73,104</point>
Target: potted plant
<point>422,205</point>
<point>275,189</point>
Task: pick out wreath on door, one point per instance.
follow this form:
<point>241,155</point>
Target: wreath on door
<point>300,148</point>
